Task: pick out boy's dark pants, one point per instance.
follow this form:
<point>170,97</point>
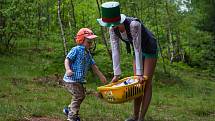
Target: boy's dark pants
<point>77,91</point>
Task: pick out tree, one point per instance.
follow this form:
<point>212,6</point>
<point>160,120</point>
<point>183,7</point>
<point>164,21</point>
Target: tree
<point>61,28</point>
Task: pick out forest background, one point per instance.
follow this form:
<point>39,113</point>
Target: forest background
<point>36,35</point>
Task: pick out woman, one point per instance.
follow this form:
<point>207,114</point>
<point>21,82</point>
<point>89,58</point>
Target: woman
<point>133,33</point>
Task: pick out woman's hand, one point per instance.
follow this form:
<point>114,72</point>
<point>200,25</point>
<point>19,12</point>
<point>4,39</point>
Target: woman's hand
<point>115,79</point>
<point>142,79</point>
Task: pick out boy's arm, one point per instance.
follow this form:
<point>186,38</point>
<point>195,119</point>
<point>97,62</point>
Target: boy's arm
<point>67,67</point>
<point>99,73</point>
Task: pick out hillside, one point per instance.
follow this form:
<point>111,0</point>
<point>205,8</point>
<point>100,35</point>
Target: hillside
<point>30,88</point>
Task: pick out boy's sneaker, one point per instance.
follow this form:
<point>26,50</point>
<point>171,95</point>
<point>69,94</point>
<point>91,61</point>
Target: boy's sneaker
<point>66,111</point>
<point>77,118</point>
<point>74,118</point>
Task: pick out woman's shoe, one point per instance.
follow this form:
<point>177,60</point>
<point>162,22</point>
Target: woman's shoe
<point>130,119</point>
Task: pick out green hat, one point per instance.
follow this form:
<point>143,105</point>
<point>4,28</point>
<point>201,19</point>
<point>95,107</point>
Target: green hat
<point>111,15</point>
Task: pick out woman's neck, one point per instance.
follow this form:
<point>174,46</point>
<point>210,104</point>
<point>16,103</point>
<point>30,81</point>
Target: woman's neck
<point>121,28</point>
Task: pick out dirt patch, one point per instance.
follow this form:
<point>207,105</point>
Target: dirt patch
<point>16,81</point>
<point>56,79</point>
<point>40,50</point>
<point>42,119</point>
<point>204,113</point>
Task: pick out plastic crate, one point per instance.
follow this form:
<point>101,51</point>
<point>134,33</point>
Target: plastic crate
<point>122,91</point>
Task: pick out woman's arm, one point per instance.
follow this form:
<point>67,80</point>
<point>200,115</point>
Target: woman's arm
<point>114,40</point>
<point>135,27</point>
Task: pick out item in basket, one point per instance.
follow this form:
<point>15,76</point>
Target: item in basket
<point>126,82</point>
<point>131,80</point>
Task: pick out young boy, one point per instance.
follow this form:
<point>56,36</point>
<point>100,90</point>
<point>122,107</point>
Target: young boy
<point>77,63</point>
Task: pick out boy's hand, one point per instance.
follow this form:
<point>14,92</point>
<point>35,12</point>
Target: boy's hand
<point>69,72</point>
<point>103,79</point>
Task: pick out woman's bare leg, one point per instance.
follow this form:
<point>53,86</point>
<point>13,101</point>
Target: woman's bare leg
<point>149,67</point>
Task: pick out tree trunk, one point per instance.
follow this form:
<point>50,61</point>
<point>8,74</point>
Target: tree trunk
<point>171,45</point>
<point>103,35</point>
<point>73,14</point>
<point>48,14</point>
<point>157,34</point>
<point>179,52</point>
<point>38,24</point>
<point>61,28</point>
<point>169,35</point>
<point>2,20</point>
<point>83,19</point>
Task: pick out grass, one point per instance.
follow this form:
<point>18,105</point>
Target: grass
<point>29,87</point>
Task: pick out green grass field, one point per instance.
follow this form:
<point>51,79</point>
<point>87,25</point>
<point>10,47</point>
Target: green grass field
<point>30,87</point>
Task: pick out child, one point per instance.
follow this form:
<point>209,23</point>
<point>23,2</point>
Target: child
<point>77,63</point>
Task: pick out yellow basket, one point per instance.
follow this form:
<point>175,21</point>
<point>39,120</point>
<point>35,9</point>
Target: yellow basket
<point>120,94</point>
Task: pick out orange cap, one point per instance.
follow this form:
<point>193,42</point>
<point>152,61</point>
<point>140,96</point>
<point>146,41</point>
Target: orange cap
<point>84,33</point>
